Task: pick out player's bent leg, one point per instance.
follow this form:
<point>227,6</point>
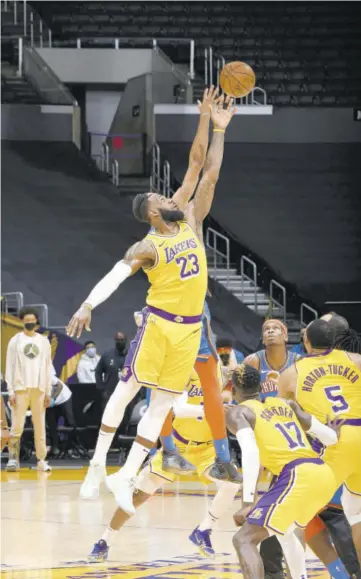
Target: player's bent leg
<point>223,469</point>
<point>340,533</point>
<point>112,417</point>
<point>318,539</point>
<point>172,461</point>
<point>147,484</point>
<point>352,507</point>
<point>245,542</point>
<point>201,535</point>
<point>149,427</point>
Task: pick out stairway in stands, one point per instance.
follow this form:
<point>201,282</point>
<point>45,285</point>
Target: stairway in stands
<point>253,297</point>
<point>15,87</point>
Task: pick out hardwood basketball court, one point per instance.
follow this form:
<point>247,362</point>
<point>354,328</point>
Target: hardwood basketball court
<point>47,532</point>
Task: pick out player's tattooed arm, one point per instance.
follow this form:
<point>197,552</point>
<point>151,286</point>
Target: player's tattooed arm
<point>141,254</point>
<point>197,155</point>
<point>221,118</point>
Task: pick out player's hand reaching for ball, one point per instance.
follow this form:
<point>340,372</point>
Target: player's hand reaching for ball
<point>220,115</point>
<point>209,99</point>
<point>80,320</point>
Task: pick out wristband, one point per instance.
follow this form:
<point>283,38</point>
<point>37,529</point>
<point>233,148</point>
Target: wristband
<point>206,115</point>
<point>219,130</point>
<point>86,305</point>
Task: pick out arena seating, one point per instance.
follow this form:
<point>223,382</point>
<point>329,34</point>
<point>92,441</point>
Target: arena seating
<point>303,53</point>
<point>297,206</point>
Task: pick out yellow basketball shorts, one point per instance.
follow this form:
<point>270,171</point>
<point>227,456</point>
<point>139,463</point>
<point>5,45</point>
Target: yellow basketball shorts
<point>164,351</point>
<point>345,457</point>
<point>202,455</point>
<point>302,488</point>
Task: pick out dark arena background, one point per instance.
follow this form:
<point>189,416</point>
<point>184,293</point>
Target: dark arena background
<point>99,103</point>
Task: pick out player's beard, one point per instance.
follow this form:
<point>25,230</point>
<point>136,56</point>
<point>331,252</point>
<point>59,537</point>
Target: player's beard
<point>172,215</point>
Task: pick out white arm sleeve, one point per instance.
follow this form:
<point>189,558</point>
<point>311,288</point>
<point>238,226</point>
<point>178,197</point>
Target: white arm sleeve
<point>108,284</point>
<point>250,462</point>
<point>324,433</point>
<point>182,409</point>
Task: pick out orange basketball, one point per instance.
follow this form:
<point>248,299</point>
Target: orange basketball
<point>237,79</point>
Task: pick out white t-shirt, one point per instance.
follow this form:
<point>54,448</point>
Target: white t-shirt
<point>64,395</point>
<point>28,363</point>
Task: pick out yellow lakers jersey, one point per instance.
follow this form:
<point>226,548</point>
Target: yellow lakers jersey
<point>278,433</point>
<point>329,385</point>
<point>196,429</point>
<point>179,276</point>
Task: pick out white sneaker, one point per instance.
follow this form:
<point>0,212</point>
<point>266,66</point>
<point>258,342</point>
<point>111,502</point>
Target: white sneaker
<point>89,490</point>
<point>43,466</point>
<point>123,490</point>
<point>12,465</point>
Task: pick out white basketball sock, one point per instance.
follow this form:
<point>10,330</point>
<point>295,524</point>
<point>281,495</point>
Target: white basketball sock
<point>220,504</point>
<point>109,536</point>
<point>149,428</point>
<point>101,450</point>
<point>294,555</point>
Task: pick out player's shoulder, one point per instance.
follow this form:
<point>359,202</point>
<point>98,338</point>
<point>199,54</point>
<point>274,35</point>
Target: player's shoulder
<point>253,360</point>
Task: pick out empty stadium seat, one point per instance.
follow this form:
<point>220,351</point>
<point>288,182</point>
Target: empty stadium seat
<point>296,38</point>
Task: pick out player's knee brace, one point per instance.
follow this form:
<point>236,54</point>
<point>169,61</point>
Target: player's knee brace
<point>351,506</point>
<point>117,403</point>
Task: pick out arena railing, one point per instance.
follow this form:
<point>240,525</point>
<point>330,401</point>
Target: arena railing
<point>278,297</point>
<point>213,64</point>
<point>304,314</point>
<point>216,242</point>
<point>141,41</point>
<point>13,301</point>
<point>34,28</point>
<point>245,263</point>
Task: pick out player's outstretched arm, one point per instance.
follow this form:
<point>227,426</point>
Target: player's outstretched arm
<point>221,118</point>
<point>141,254</point>
<point>197,155</point>
<point>328,435</point>
<point>241,422</point>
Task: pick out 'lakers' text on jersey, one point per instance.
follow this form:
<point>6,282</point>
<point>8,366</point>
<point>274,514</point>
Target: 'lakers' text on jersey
<point>179,276</point>
<point>195,429</point>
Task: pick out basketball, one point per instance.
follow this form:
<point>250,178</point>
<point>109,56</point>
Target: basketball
<point>237,79</point>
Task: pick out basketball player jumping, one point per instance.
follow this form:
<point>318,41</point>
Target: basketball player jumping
<point>270,434</point>
<point>193,439</point>
<point>327,383</point>
<point>173,257</point>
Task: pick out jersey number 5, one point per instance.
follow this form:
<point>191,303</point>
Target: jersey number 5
<point>189,265</point>
<point>334,394</point>
<point>292,434</point>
